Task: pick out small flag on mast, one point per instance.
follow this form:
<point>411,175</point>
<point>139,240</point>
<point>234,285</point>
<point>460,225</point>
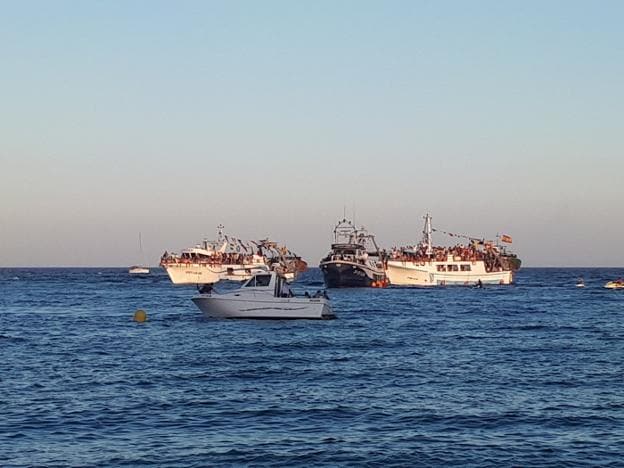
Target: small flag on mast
<point>506,238</point>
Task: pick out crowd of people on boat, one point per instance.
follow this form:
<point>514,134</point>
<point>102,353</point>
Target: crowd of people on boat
<point>217,258</point>
<point>489,254</point>
<point>284,265</point>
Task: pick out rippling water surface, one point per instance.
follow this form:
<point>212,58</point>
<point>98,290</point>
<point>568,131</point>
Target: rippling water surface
<point>531,374</point>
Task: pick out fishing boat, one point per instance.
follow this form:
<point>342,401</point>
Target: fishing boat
<point>229,258</point>
<point>354,259</point>
<point>580,283</point>
<point>477,263</point>
<point>617,284</point>
<point>263,296</point>
<point>139,269</point>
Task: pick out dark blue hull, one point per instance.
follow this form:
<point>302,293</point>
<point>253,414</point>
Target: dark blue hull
<point>348,275</point>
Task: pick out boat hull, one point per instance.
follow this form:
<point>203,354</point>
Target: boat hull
<point>345,274</point>
<point>214,306</point>
<point>139,271</point>
<point>204,273</point>
<point>426,274</point>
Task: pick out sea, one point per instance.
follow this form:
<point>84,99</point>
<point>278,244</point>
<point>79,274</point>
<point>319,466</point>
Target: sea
<point>524,375</point>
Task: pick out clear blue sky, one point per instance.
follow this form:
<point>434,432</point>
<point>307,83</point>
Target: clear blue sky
<point>171,117</point>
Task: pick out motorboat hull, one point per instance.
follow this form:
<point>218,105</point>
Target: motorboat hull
<point>232,307</point>
<point>402,273</point>
<point>614,285</point>
<point>344,274</point>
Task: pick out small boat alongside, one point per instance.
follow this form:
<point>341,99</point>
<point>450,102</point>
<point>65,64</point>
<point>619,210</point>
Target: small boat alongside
<point>617,284</point>
<point>354,259</point>
<point>263,296</point>
<point>478,263</point>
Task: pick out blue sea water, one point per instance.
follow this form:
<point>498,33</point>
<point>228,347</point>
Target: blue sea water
<point>527,375</point>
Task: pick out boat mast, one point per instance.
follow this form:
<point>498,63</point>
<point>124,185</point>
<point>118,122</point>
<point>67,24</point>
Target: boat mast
<point>427,236</point>
<point>141,250</point>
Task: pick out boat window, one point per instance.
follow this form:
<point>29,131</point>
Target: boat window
<point>452,268</point>
<point>441,267</point>
<point>259,280</point>
<point>465,267</point>
<point>263,280</point>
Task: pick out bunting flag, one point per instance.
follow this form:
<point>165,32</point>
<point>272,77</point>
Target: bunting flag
<point>506,238</point>
<point>451,234</point>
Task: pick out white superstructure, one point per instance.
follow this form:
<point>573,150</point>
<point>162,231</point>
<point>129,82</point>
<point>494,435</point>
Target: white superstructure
<point>264,296</point>
<point>449,272</point>
<point>426,265</point>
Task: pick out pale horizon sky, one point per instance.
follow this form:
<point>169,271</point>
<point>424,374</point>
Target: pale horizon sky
<point>168,118</point>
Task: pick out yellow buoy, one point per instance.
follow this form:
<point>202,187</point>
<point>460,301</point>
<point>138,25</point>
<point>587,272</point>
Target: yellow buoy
<point>140,316</point>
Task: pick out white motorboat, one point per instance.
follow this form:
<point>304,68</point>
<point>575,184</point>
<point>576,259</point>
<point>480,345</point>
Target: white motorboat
<point>264,296</point>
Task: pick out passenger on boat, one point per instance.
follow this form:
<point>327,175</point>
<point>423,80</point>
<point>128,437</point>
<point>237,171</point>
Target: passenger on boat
<point>286,291</point>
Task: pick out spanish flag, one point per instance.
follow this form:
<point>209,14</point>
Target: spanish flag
<point>506,238</point>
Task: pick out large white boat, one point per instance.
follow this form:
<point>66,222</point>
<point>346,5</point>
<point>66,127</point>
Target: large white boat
<point>354,259</point>
<point>477,263</point>
<point>263,296</point>
<point>228,258</point>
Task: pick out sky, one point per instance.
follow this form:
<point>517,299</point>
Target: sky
<point>168,118</point>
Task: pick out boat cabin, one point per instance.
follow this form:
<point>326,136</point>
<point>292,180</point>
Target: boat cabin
<point>270,282</point>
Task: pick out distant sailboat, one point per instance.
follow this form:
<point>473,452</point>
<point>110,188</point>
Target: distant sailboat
<point>139,269</point>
